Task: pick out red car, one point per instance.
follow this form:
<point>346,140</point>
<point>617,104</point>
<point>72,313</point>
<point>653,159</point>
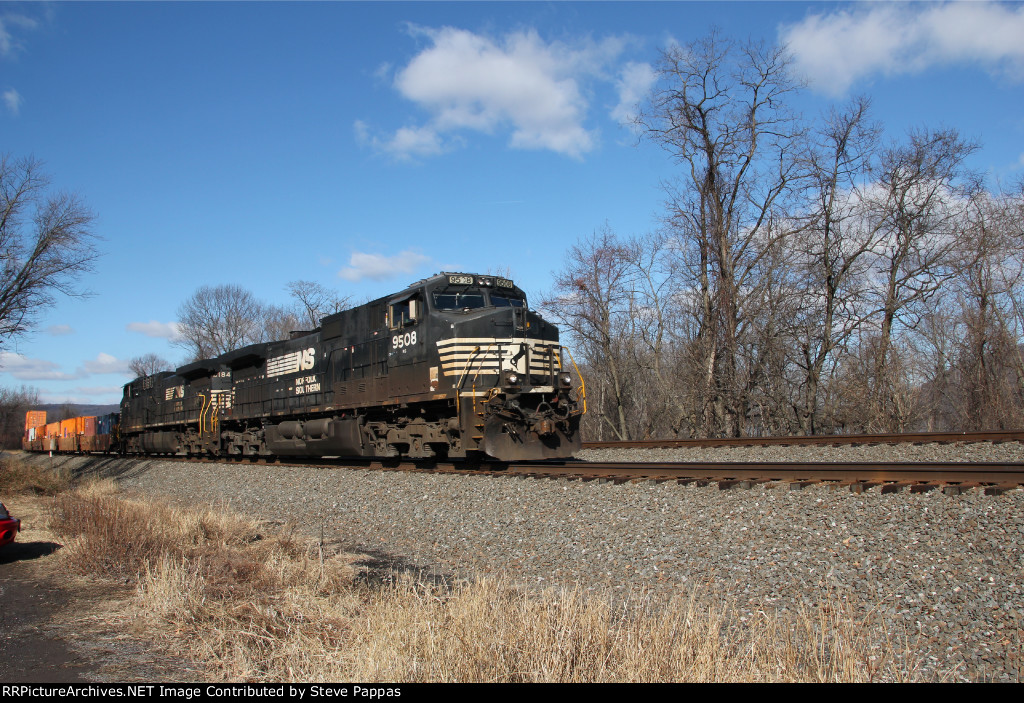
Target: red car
<point>9,526</point>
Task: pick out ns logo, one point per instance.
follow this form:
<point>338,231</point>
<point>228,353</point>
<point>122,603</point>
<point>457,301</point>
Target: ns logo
<point>306,359</point>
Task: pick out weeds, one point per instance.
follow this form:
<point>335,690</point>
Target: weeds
<point>264,607</point>
<point>17,477</point>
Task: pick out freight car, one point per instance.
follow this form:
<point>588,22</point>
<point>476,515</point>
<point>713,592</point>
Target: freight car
<point>78,434</point>
<point>456,365</point>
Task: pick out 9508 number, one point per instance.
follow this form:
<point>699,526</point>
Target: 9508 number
<point>403,340</point>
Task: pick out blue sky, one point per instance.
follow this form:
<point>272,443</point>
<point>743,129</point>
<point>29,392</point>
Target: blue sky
<point>366,145</point>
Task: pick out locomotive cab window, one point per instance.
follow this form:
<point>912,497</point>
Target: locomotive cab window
<point>459,300</point>
<point>404,312</point>
<point>503,301</point>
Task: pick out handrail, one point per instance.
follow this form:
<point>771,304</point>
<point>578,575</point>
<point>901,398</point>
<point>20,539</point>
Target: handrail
<point>462,378</point>
<point>583,386</point>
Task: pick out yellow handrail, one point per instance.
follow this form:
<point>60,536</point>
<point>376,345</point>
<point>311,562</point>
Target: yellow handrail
<point>202,411</point>
<point>583,386</point>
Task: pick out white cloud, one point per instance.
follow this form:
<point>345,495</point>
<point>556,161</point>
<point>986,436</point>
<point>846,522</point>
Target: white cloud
<point>6,40</point>
<point>406,143</point>
<point>59,330</point>
<point>383,72</point>
<point>635,81</point>
<point>162,330</point>
<point>27,369</point>
<point>517,83</point>
<point>9,44</point>
<point>419,141</point>
<point>12,101</point>
<point>377,267</point>
<point>837,49</point>
<point>105,363</point>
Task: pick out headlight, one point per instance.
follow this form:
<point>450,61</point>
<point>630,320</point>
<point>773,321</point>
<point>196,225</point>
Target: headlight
<point>511,378</point>
<point>564,380</point>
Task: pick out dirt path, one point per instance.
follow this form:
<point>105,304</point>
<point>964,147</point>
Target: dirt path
<point>31,649</point>
<point>57,628</point>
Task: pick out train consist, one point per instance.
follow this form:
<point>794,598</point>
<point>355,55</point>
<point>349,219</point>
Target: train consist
<point>455,366</point>
<point>77,434</point>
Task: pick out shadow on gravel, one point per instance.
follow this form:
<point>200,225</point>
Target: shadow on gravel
<point>111,467</point>
<point>25,551</point>
<point>83,466</point>
<point>383,569</point>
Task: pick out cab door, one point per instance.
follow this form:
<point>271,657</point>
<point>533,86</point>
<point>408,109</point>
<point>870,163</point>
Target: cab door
<point>407,344</point>
<point>406,336</point>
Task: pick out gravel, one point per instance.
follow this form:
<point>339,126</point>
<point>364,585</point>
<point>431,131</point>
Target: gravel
<point>945,571</point>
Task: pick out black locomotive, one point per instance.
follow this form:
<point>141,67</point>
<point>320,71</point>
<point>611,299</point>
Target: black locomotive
<point>454,366</point>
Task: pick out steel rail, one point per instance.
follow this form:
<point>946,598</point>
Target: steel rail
<point>992,473</point>
<point>839,440</point>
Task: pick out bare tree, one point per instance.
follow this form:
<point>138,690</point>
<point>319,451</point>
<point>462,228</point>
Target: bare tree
<point>315,302</point>
<point>989,280</point>
<point>46,244</point>
<point>592,301</point>
<point>279,322</point>
<point>936,340</point>
<point>767,335</point>
<point>833,246</point>
<point>658,333</point>
<point>14,403</point>
<point>147,365</point>
<point>919,207</point>
<point>219,319</point>
<point>720,110</point>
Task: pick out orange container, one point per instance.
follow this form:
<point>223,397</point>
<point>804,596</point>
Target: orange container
<point>35,418</point>
<point>67,427</point>
<point>53,429</point>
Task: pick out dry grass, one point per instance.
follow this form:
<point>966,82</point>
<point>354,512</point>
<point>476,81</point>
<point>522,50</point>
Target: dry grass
<point>490,631</point>
<point>17,477</point>
<point>264,607</point>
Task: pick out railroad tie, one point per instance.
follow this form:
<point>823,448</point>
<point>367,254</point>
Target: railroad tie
<point>998,489</point>
<point>955,489</point>
<point>699,482</point>
<point>895,486</point>
<point>800,485</point>
<point>861,486</point>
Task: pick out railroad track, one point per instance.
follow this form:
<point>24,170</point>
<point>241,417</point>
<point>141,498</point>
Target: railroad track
<point>951,477</point>
<point>996,436</point>
<point>916,477</point>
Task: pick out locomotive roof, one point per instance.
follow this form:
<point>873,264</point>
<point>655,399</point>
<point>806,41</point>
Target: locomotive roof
<point>445,278</point>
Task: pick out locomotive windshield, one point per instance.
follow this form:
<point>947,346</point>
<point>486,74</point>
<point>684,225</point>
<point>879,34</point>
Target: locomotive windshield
<point>501,301</point>
<point>461,300</point>
<point>472,300</point>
